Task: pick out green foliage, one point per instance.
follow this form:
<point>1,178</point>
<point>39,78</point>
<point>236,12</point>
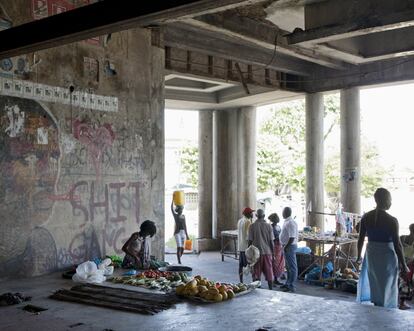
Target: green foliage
<point>372,171</point>
<point>189,164</point>
<point>281,152</point>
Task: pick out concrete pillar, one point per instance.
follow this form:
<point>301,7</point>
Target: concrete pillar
<point>226,186</point>
<point>314,159</point>
<point>247,165</point>
<point>234,164</point>
<point>205,174</point>
<point>350,151</point>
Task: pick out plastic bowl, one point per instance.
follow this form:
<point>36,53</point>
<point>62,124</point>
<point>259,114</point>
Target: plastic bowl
<point>177,268</point>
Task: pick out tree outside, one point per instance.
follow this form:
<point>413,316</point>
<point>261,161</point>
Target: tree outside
<point>281,151</point>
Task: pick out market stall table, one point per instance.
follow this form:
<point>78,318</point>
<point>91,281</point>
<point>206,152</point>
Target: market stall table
<point>319,241</point>
<point>229,238</point>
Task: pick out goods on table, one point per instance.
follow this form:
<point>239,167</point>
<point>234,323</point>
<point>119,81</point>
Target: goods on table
<point>116,260</point>
<point>210,291</point>
<point>155,263</point>
<point>154,279</point>
<point>349,274</point>
<point>115,298</point>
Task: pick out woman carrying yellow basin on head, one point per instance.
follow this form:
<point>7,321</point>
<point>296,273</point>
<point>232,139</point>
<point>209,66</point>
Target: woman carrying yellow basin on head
<point>180,230</point>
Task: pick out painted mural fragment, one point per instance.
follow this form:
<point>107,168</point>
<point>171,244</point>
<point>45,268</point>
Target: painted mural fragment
<point>15,120</point>
<point>29,174</point>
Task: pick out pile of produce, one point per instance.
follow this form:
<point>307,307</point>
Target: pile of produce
<point>155,264</point>
<point>154,279</point>
<point>207,290</point>
<point>349,274</point>
<point>116,260</point>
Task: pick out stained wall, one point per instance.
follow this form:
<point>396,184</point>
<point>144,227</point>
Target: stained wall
<point>75,182</point>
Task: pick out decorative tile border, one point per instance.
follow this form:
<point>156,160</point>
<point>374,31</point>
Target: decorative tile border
<point>41,92</point>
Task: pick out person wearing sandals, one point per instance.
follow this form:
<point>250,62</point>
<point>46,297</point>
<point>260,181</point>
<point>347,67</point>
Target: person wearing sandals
<point>383,258</point>
<point>279,259</point>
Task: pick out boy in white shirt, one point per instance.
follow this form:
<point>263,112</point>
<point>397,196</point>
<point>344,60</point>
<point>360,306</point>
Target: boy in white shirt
<point>289,240</point>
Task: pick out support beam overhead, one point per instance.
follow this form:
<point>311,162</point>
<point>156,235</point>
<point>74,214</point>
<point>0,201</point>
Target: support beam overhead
<point>374,24</point>
<point>102,18</point>
<point>262,35</point>
<point>181,36</point>
<point>381,72</point>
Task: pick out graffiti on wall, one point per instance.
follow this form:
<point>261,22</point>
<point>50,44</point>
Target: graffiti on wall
<point>96,139</point>
<point>53,219</point>
<point>29,174</point>
<point>100,150</point>
<point>100,214</point>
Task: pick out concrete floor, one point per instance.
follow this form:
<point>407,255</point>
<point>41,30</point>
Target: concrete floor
<point>271,310</point>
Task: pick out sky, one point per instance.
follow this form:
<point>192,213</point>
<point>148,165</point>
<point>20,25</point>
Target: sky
<point>388,121</point>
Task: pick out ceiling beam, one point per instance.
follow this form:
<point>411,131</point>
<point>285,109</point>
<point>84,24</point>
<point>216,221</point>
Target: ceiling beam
<point>182,36</point>
<point>381,72</point>
<point>360,27</point>
<point>337,53</point>
<point>260,34</point>
<point>102,18</point>
<point>204,67</point>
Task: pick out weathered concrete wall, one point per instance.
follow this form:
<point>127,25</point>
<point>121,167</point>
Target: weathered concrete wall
<point>81,189</point>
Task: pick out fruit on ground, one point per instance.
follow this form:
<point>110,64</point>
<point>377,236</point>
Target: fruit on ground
<point>230,294</point>
<point>218,297</point>
<point>180,289</point>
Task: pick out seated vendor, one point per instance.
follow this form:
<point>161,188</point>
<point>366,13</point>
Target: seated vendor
<point>406,282</point>
<point>136,248</point>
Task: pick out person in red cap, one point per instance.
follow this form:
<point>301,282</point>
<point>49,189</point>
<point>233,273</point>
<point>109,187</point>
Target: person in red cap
<point>243,232</point>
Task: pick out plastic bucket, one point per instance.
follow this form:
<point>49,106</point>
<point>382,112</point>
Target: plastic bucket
<point>188,245</point>
<point>178,198</point>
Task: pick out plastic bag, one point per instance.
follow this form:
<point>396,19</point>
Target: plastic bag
<point>252,256</point>
<point>88,272</point>
<point>105,265</point>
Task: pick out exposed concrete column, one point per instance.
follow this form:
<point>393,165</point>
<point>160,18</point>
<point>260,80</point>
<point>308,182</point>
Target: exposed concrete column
<point>314,159</point>
<point>350,151</point>
<point>205,174</point>
<point>226,165</point>
<point>247,165</point>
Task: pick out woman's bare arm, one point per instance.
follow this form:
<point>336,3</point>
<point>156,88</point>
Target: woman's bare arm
<point>361,238</point>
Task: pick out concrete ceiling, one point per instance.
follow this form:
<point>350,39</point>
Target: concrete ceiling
<point>317,45</point>
<point>184,92</point>
<point>259,47</point>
